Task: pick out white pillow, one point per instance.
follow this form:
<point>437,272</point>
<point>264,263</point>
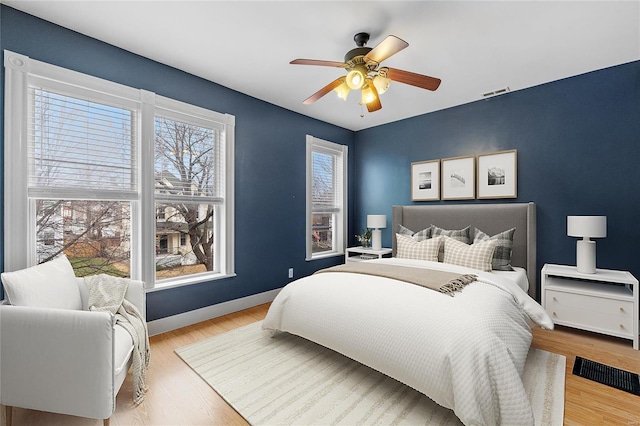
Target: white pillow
<point>408,248</point>
<point>48,285</point>
<point>476,256</point>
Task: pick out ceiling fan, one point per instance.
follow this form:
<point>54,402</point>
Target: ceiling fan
<point>364,72</point>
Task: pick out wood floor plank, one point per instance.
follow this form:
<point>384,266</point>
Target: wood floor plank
<point>178,396</point>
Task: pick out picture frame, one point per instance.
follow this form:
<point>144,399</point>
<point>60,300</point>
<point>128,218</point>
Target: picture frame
<point>498,174</point>
<point>458,178</point>
<point>425,180</point>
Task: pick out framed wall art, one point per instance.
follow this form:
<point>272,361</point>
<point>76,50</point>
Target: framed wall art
<point>425,180</point>
<point>497,174</point>
<point>458,178</point>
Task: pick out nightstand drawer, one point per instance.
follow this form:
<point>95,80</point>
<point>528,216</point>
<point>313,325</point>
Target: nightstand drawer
<point>609,316</point>
<point>562,300</point>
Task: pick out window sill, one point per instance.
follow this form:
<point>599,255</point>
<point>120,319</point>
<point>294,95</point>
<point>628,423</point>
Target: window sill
<point>181,282</point>
<point>324,256</point>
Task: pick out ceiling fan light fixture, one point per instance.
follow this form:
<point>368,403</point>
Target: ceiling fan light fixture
<point>368,93</point>
<point>381,83</point>
<point>355,78</point>
<point>343,90</point>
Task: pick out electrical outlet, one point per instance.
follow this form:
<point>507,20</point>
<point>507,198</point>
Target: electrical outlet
<point>290,272</point>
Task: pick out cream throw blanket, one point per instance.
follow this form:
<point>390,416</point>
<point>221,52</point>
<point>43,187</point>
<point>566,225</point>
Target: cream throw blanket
<point>442,281</point>
<point>106,294</point>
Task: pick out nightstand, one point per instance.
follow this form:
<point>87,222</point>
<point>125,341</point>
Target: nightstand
<point>358,254</point>
<point>605,302</point>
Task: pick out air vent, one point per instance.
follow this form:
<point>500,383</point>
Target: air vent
<point>495,92</point>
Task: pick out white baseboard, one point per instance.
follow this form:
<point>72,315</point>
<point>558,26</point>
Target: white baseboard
<point>174,322</point>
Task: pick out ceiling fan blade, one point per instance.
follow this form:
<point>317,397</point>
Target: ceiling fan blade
<point>318,62</point>
<point>387,47</point>
<point>326,89</point>
<point>418,80</point>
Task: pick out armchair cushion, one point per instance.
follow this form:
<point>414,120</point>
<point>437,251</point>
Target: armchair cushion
<point>122,349</point>
<point>48,285</point>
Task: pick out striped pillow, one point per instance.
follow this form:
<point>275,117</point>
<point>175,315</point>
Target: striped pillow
<point>408,248</point>
<point>504,244</point>
<point>476,256</point>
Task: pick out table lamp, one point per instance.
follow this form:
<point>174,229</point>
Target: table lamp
<point>376,221</point>
<point>586,227</point>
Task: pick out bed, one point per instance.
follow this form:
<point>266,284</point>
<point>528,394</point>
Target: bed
<point>467,351</point>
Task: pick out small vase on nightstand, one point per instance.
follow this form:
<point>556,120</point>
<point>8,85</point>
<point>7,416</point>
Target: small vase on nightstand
<point>364,238</point>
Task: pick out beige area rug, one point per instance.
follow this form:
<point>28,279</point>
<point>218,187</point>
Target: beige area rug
<point>287,380</point>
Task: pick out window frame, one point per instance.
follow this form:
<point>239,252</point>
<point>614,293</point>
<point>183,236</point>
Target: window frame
<point>20,72</point>
<point>339,235</point>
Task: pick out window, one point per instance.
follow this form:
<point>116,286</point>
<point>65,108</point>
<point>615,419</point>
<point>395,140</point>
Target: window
<point>100,160</point>
<point>326,198</point>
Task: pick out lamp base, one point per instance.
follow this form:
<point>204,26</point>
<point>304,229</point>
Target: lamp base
<point>376,239</point>
<point>586,256</point>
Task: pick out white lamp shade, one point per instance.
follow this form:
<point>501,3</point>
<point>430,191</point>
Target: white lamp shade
<point>587,226</point>
<point>376,221</point>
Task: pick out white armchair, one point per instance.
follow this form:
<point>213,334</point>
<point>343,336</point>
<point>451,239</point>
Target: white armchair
<point>63,360</point>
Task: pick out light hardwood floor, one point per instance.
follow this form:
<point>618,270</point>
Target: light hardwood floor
<point>178,396</point>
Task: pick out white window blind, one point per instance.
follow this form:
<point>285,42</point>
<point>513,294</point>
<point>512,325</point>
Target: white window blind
<point>327,180</point>
<point>76,144</point>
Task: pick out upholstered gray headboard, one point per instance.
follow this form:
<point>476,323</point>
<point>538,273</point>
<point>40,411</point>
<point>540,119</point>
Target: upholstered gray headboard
<point>490,218</point>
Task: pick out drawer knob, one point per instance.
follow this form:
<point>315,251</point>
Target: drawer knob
<point>621,309</point>
<point>554,299</point>
<point>553,313</point>
<point>621,326</point>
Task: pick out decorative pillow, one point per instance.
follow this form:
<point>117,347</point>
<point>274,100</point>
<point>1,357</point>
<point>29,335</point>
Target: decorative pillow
<point>47,285</point>
<point>476,256</point>
<point>425,234</point>
<point>504,244</point>
<point>457,234</point>
<point>405,231</point>
<point>408,248</point>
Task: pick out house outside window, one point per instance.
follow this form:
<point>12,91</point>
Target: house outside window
<point>326,198</point>
<point>100,159</point>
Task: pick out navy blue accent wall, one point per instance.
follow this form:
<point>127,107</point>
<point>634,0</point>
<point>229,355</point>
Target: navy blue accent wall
<point>578,143</point>
<point>269,168</point>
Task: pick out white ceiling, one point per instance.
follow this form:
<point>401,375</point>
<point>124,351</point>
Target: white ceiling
<point>473,46</point>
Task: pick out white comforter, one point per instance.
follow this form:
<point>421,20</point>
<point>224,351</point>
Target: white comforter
<point>467,352</point>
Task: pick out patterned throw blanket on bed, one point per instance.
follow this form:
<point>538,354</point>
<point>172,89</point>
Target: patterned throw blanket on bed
<point>106,294</point>
<point>442,281</point>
